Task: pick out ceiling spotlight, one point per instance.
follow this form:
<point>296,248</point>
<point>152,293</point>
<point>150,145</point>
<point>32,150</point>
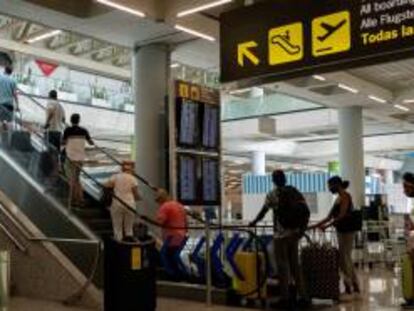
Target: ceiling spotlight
<point>175,65</point>
<point>203,7</point>
<point>44,36</point>
<point>348,88</point>
<point>194,33</point>
<point>122,8</point>
<point>408,101</point>
<point>377,99</point>
<point>318,77</point>
<point>401,107</point>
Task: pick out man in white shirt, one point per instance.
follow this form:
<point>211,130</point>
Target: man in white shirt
<point>74,141</point>
<point>125,188</point>
<point>55,120</point>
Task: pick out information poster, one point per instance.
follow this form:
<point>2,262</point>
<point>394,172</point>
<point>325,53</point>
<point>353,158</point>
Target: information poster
<point>279,39</point>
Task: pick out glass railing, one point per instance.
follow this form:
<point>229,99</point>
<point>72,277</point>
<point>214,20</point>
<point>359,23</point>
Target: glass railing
<point>240,108</point>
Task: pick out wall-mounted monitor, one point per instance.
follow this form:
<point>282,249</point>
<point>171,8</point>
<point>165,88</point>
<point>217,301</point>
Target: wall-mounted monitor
<point>211,181</point>
<point>211,127</point>
<point>188,123</point>
<point>187,179</point>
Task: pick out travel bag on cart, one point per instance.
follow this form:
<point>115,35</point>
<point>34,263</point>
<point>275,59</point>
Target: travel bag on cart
<point>407,278</point>
<point>320,264</point>
<point>252,268</point>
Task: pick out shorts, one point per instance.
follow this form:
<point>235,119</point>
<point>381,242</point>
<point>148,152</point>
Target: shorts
<point>54,140</point>
<point>73,169</point>
<point>410,242</point>
<point>6,112</point>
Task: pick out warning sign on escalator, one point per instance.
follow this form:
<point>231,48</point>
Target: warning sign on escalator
<point>331,34</point>
<point>286,44</point>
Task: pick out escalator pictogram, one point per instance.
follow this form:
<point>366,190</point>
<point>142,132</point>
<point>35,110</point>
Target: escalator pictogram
<point>286,44</point>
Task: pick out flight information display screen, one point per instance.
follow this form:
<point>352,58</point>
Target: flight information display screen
<point>188,129</point>
<point>211,126</point>
<point>211,181</point>
<point>187,179</point>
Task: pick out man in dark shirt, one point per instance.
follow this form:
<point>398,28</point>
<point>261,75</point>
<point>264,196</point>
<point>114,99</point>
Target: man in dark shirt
<point>74,142</point>
<point>286,244</point>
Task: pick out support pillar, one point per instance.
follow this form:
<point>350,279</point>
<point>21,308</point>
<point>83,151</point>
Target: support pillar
<point>351,151</point>
<point>259,163</point>
<point>150,76</point>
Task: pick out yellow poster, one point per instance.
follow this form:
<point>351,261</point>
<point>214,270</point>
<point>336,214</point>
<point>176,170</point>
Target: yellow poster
<point>136,258</point>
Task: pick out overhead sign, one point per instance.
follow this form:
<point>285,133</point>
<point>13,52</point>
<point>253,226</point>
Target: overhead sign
<point>281,39</point>
<point>47,68</point>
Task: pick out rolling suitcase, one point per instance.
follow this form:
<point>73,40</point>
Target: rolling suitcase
<point>407,278</point>
<point>20,140</point>
<point>253,274</point>
<point>321,271</point>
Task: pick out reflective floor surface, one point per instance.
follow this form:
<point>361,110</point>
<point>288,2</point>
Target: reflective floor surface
<point>381,293</point>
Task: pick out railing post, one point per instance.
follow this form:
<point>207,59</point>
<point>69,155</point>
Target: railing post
<point>209,281</point>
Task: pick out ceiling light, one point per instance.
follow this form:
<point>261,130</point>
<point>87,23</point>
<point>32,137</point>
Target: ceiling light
<point>122,7</point>
<point>377,99</point>
<point>44,36</point>
<point>408,101</point>
<point>241,91</point>
<point>318,77</point>
<point>347,88</point>
<point>194,33</point>
<point>175,65</point>
<point>203,7</point>
<point>401,107</point>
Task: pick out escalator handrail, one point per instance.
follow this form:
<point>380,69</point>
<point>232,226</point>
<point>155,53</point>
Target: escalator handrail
<point>111,157</point>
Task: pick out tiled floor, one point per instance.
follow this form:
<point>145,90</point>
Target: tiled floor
<point>382,292</point>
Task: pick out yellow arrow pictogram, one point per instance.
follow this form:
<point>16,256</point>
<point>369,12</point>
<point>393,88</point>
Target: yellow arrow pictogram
<point>243,52</point>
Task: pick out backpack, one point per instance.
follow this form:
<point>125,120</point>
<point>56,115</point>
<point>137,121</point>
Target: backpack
<point>293,211</point>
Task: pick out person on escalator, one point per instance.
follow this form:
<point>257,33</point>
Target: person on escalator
<point>55,121</point>
<point>290,219</point>
<point>9,101</point>
<point>74,141</point>
<point>125,189</point>
<point>173,219</point>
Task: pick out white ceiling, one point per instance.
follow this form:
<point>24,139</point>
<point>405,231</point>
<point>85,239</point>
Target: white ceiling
<point>291,142</point>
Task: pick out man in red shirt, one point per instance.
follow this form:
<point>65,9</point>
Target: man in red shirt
<point>173,218</point>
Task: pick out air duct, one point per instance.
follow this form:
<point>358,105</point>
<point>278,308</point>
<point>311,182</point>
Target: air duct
<point>81,9</point>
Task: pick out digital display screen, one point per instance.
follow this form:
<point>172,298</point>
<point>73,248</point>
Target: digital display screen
<point>187,179</point>
<point>188,123</point>
<point>211,181</point>
<point>211,126</point>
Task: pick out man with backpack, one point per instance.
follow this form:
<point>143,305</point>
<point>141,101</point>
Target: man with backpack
<point>290,220</point>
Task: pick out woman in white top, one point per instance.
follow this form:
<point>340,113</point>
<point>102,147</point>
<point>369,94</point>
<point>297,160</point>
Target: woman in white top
<point>125,188</point>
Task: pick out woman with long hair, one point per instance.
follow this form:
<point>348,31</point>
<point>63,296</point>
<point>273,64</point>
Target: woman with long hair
<point>337,217</point>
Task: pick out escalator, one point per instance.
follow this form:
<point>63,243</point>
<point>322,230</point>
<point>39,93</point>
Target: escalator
<point>42,193</point>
